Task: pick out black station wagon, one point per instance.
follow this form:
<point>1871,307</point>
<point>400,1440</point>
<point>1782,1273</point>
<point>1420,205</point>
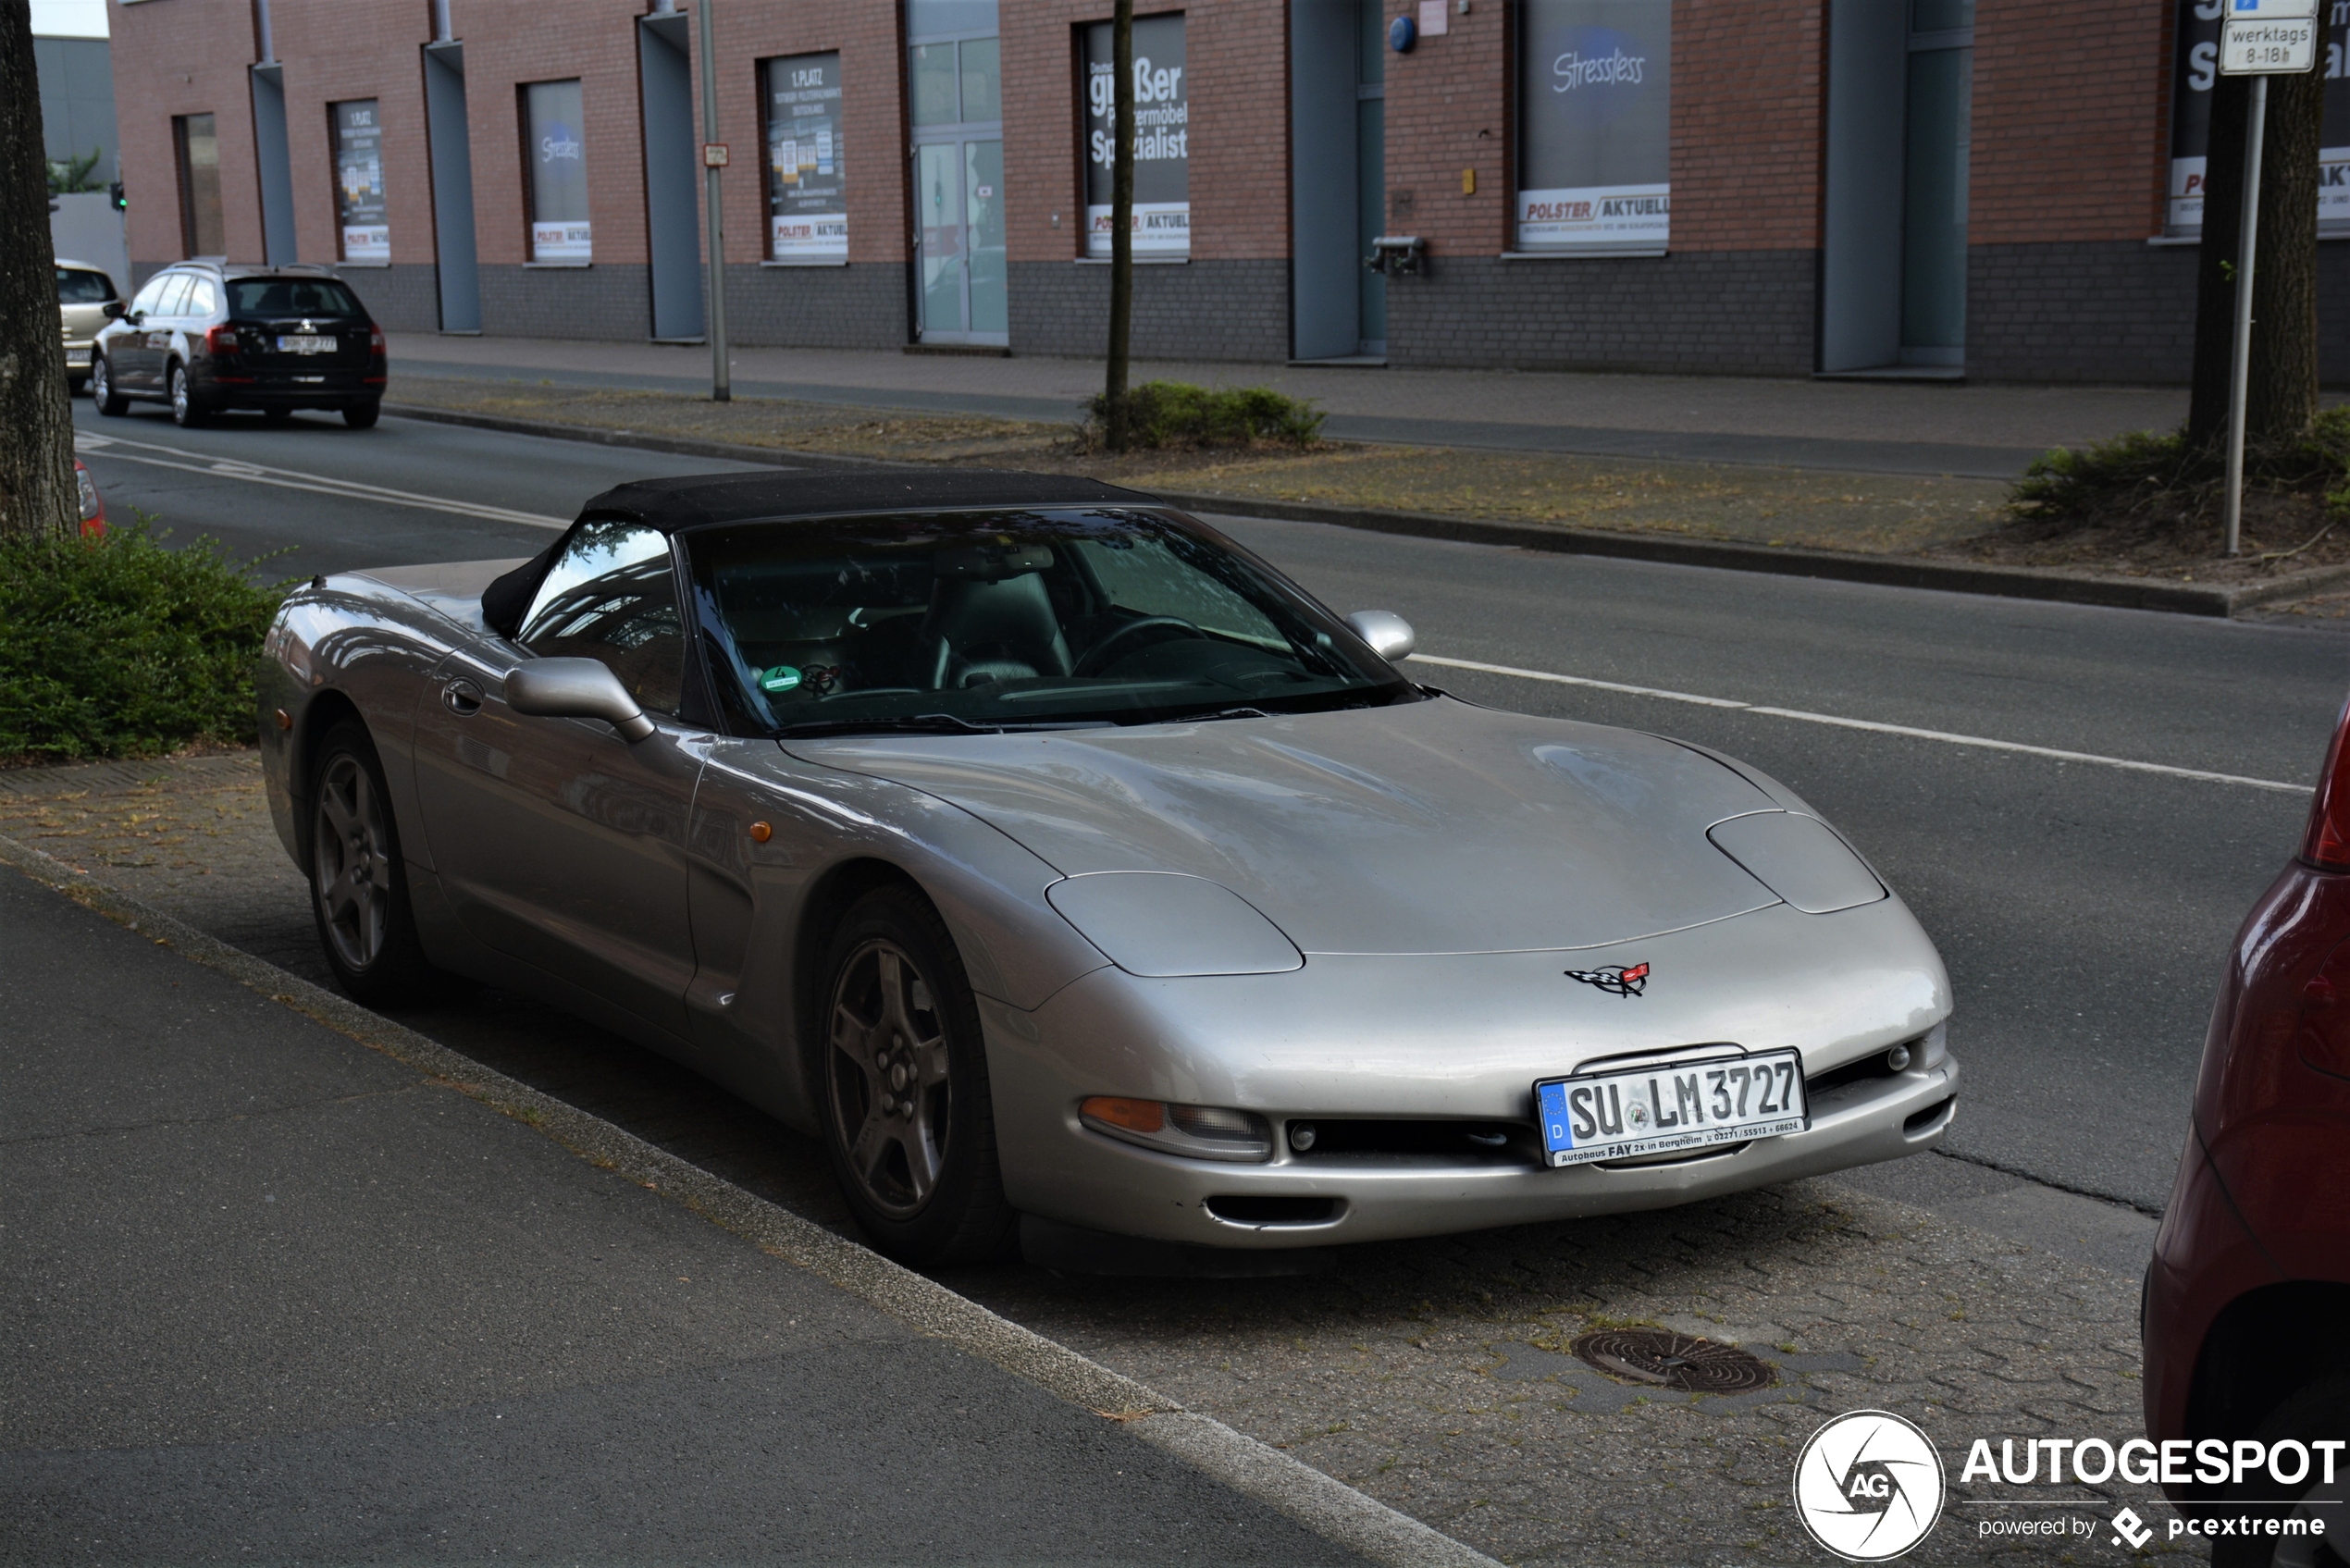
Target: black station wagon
<point>207,335</point>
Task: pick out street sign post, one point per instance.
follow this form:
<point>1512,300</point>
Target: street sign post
<point>2258,39</point>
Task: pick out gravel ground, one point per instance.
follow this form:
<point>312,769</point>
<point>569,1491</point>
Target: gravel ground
<point>1432,1375</point>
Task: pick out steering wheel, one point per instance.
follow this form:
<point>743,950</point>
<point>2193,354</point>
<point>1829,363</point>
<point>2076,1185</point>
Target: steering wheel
<point>1105,652</point>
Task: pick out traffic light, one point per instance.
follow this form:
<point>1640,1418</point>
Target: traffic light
<point>121,202</point>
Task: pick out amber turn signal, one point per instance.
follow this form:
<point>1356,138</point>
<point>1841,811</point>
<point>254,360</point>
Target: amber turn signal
<point>760,832</point>
<point>285,719</point>
<point>1134,1116</point>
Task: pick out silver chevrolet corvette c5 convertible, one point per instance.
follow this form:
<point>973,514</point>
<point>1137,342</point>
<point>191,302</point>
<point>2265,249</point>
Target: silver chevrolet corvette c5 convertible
<point>1045,854</point>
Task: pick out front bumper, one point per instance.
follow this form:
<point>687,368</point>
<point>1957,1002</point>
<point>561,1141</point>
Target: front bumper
<point>1452,1038</point>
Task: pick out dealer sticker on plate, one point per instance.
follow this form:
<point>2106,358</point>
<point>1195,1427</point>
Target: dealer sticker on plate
<point>1667,1107</point>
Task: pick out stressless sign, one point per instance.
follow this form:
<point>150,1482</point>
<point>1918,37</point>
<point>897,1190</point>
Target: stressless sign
<point>1595,132</point>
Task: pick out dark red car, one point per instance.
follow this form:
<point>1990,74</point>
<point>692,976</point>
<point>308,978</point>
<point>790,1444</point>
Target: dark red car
<point>2246,1314</point>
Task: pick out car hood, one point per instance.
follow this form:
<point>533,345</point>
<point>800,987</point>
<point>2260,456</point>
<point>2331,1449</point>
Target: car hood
<point>1428,827</point>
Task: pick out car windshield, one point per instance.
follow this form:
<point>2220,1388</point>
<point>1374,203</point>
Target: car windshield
<point>1010,620</point>
<point>290,296</point>
<point>75,286</point>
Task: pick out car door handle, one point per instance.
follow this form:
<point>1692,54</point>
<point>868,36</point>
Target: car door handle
<point>461,698</point>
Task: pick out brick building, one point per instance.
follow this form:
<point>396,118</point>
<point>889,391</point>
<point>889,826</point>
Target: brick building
<point>1999,188</point>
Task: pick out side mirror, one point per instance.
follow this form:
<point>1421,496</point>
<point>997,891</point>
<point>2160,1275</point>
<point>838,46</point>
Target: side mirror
<point>1390,635</point>
<point>113,309</point>
<point>576,689</point>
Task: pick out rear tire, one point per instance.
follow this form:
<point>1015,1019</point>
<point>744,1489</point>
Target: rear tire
<point>2321,1409</point>
<point>358,880</point>
<point>908,1123</point>
<point>362,416</point>
<point>187,409</point>
<point>103,392</point>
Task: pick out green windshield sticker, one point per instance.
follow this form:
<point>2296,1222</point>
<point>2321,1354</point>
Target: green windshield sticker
<point>782,678</point>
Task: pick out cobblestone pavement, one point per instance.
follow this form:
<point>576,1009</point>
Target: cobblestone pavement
<point>1434,1375</point>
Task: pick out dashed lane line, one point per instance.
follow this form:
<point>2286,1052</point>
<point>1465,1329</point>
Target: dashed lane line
<point>1980,742</point>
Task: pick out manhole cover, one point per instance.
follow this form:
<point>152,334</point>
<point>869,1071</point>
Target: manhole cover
<point>1661,1359</point>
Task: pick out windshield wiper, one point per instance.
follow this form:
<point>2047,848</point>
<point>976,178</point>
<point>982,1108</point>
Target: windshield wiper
<point>920,724</point>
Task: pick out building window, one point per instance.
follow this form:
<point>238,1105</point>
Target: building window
<point>806,184</point>
<point>359,180</point>
<point>2197,69</point>
<point>1162,225</point>
<point>1594,125</point>
<point>197,149</point>
<point>557,160</point>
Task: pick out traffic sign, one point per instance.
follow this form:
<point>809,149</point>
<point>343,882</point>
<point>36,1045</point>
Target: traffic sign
<point>714,154</point>
<point>2268,37</point>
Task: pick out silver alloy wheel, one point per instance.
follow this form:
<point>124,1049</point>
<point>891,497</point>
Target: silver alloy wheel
<point>888,1081</point>
<point>179,393</point>
<point>350,863</point>
<point>98,378</point>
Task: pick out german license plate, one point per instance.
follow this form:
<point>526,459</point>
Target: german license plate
<point>78,356</point>
<point>1669,1106</point>
<point>304,343</point>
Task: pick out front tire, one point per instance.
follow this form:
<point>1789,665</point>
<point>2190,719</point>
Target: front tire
<point>362,416</point>
<point>103,392</point>
<point>908,1123</point>
<point>187,409</point>
<point>358,881</point>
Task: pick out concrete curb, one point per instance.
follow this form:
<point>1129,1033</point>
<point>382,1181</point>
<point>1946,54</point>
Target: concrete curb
<point>1901,572</point>
<point>1328,1506</point>
<point>1787,560</point>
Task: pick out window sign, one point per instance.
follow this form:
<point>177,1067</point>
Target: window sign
<point>806,207</point>
<point>2196,70</point>
<point>359,181</point>
<point>1594,125</point>
<point>1162,139</point>
<point>558,164</point>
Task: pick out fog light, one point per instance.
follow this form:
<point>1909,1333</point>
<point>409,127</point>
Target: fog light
<point>1898,1058</point>
<point>1199,1132</point>
<point>1301,1135</point>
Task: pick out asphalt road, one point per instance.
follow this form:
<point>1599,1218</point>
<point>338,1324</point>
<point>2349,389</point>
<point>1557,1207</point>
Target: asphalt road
<point>2084,909</point>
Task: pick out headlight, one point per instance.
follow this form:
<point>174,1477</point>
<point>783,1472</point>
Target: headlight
<point>1198,1132</point>
<point>1162,924</point>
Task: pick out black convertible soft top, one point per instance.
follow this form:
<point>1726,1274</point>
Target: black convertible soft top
<point>693,500</point>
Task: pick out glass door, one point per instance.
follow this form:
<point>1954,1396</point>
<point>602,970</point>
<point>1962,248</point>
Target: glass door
<point>1940,92</point>
<point>954,81</point>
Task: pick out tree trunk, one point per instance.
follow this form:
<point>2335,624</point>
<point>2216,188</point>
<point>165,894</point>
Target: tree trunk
<point>1121,219</point>
<point>2282,396</point>
<point>37,491</point>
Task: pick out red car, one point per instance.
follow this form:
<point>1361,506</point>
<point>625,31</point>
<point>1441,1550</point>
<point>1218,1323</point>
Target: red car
<point>2247,1312</point>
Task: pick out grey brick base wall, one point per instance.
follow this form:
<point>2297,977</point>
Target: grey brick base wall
<point>1235,310</point>
<point>863,305</point>
<point>1718,312</point>
<point>612,302</point>
<point>402,297</point>
<point>2116,311</point>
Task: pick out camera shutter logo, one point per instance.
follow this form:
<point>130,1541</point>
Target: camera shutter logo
<point>1869,1485</point>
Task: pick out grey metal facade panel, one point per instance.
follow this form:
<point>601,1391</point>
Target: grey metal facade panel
<point>1715,313</point>
<point>859,306</point>
<point>1213,310</point>
<point>609,301</point>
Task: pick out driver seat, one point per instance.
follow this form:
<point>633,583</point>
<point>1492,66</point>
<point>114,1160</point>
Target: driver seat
<point>980,630</point>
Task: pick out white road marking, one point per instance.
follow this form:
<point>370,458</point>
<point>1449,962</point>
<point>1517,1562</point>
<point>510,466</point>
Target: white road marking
<point>295,479</point>
<point>1983,742</point>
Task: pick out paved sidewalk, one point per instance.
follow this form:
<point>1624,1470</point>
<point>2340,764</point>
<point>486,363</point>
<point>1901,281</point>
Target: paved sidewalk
<point>274,1297</point>
<point>1431,1375</point>
<point>1983,431</point>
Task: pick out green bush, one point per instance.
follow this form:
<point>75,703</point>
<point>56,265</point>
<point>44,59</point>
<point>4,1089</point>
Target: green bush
<point>1176,413</point>
<point>2143,466</point>
<point>117,647</point>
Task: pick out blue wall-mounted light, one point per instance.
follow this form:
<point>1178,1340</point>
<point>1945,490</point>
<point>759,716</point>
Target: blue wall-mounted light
<point>1401,33</point>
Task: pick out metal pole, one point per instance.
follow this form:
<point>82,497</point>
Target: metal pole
<point>2240,371</point>
<point>721,379</point>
